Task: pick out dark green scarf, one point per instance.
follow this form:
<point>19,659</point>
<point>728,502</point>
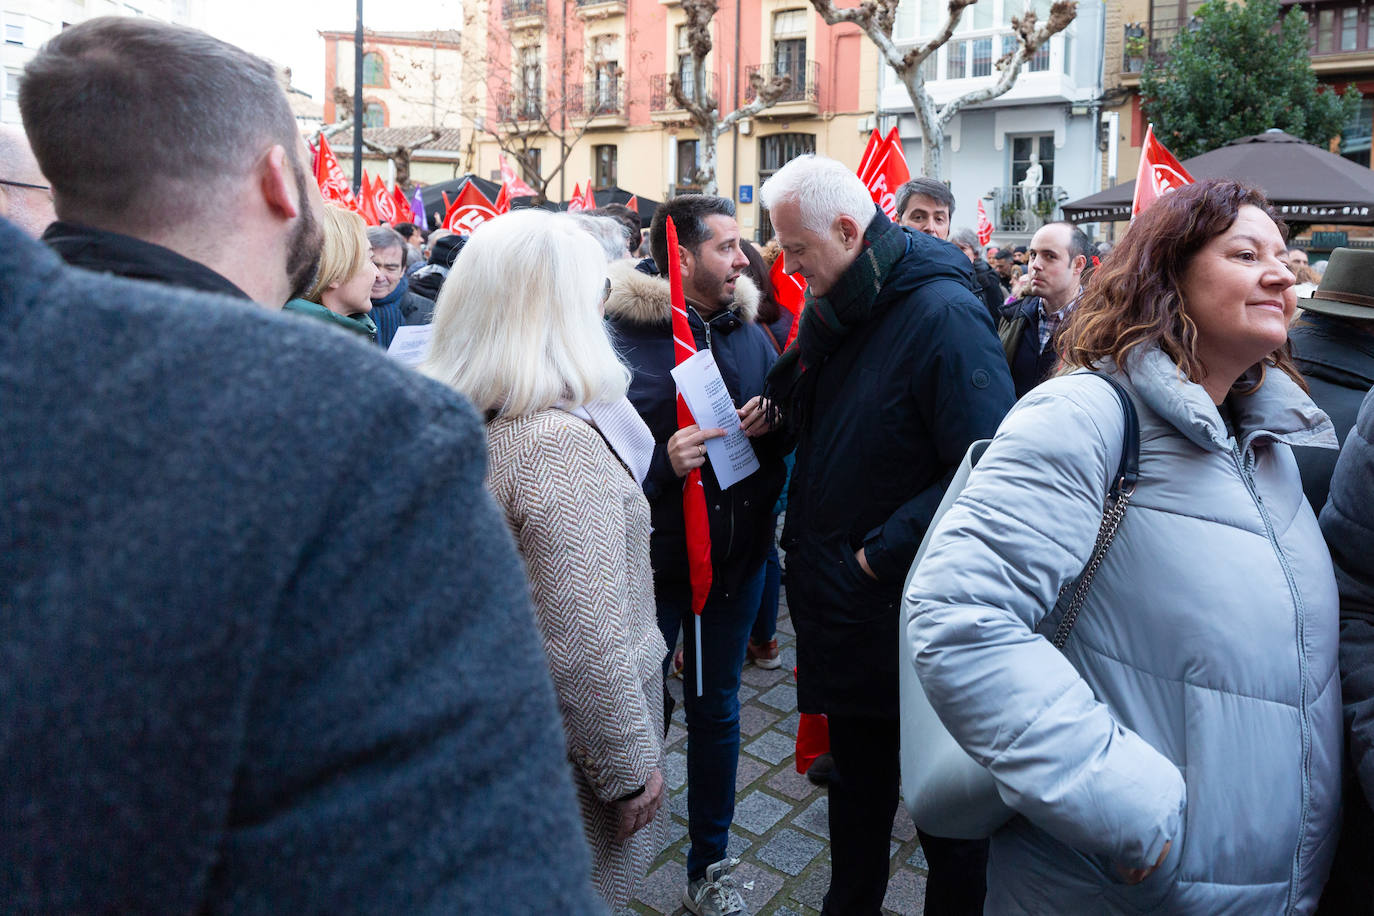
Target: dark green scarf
<point>827,320</point>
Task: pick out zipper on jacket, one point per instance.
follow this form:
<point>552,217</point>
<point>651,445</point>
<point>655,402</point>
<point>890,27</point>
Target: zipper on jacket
<point>1244,463</point>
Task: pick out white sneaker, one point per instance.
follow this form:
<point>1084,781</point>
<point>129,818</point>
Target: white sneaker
<point>715,893</point>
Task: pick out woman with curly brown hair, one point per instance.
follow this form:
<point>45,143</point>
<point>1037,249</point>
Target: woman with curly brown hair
<point>1181,753</point>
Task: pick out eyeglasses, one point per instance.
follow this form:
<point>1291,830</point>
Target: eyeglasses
<point>25,184</point>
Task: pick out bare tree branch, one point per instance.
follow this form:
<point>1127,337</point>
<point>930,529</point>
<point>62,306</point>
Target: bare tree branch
<point>702,106</point>
<point>877,19</point>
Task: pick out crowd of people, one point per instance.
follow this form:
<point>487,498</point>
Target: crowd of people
<point>292,628</point>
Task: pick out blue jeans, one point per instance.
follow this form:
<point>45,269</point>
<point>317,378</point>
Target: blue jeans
<point>712,718</point>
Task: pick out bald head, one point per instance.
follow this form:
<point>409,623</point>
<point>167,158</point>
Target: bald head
<point>29,208</point>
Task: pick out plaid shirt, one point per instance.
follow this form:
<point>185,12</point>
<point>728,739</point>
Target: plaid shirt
<point>1050,322</point>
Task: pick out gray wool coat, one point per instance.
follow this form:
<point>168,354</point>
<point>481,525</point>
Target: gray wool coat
<point>213,697</point>
<point>1197,701</point>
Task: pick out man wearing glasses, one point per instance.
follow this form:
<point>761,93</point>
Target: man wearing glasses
<point>25,198</point>
<point>393,302</point>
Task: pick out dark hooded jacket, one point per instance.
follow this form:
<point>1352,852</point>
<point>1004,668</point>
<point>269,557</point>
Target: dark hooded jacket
<point>891,413</point>
<point>1337,359</point>
<point>639,313</point>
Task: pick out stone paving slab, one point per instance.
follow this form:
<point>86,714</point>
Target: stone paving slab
<point>781,830</point>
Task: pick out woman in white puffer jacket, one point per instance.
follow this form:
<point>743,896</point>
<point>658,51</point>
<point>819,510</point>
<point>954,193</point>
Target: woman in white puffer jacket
<point>1182,754</point>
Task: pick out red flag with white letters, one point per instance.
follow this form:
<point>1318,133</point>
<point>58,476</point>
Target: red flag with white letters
<point>329,175</point>
<point>984,225</point>
<point>1159,173</point>
<point>575,203</point>
<point>383,204</point>
<point>884,171</point>
<point>469,211</point>
<point>517,186</point>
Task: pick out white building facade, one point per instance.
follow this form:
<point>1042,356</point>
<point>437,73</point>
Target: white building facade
<point>1047,121</point>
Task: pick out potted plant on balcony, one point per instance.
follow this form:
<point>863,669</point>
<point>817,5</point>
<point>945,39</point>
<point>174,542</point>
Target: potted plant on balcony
<point>1135,53</point>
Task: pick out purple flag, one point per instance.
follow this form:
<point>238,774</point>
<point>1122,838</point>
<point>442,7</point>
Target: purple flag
<point>417,206</point>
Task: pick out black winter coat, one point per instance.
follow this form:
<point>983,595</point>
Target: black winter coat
<point>1029,364</point>
<point>1348,523</point>
<point>741,517</point>
<point>892,412</point>
<point>1337,359</point>
<point>989,286</point>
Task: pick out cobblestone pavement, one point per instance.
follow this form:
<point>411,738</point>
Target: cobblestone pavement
<point>780,832</point>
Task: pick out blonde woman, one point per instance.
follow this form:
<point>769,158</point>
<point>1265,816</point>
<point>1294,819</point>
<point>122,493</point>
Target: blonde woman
<point>518,330</point>
<point>342,288</point>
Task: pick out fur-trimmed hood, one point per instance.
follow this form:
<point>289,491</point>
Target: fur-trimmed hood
<point>639,298</point>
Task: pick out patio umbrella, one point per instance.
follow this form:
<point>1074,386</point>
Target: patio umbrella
<point>1305,183</point>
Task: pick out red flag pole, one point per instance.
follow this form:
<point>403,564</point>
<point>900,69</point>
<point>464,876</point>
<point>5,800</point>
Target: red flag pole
<point>693,495</point>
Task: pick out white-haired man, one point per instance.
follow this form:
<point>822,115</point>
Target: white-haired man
<point>894,372</point>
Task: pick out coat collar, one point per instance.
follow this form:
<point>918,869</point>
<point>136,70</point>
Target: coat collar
<point>638,298</point>
<point>1278,410</point>
<point>125,256</point>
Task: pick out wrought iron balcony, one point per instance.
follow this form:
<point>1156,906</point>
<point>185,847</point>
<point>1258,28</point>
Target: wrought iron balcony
<point>518,106</point>
<point>516,9</point>
<point>596,99</point>
<point>805,74</point>
<point>661,98</point>
<point>1017,208</point>
<point>1143,41</point>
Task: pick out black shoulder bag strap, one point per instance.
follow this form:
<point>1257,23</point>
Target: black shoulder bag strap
<point>1119,494</point>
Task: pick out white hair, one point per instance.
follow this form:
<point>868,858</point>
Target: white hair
<point>518,325</point>
<point>609,233</point>
<point>824,190</point>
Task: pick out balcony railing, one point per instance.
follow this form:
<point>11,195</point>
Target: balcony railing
<point>806,80</point>
<point>597,99</point>
<point>661,99</point>
<point>1021,209</point>
<point>1142,41</point>
<point>518,106</point>
<point>514,9</point>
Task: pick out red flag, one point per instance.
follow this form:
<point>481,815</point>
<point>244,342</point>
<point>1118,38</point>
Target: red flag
<point>693,495</point>
<point>790,292</point>
<point>329,175</point>
<point>367,207</point>
<point>503,199</point>
<point>984,225</point>
<point>865,161</point>
<point>886,171</point>
<point>518,188</point>
<point>1159,173</point>
<point>404,214</point>
<point>447,206</point>
<point>588,199</point>
<point>469,211</point>
<point>632,203</point>
<point>576,204</point>
<point>383,204</point>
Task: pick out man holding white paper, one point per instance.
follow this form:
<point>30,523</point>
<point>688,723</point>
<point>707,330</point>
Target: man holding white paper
<point>742,474</point>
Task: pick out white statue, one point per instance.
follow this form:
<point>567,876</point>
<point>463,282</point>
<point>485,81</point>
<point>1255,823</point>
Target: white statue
<point>1030,185</point>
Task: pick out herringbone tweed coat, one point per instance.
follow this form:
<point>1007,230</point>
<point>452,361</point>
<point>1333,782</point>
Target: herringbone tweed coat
<point>582,525</point>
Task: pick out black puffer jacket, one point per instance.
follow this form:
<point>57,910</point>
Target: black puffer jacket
<point>1337,359</point>
<point>893,411</point>
<point>640,315</point>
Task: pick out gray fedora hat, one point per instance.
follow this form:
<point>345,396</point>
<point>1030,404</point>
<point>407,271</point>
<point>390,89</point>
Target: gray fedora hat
<point>1347,287</point>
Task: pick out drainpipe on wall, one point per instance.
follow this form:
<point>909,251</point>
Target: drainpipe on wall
<point>734,145</point>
